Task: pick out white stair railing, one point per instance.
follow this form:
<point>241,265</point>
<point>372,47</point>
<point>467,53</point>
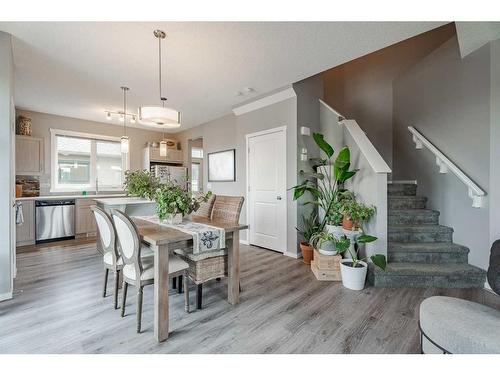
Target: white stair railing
<point>445,165</point>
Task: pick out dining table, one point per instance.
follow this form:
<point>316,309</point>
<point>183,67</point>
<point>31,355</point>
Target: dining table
<point>165,239</point>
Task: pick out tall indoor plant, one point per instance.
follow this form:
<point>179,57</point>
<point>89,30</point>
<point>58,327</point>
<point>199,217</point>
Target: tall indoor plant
<point>326,183</point>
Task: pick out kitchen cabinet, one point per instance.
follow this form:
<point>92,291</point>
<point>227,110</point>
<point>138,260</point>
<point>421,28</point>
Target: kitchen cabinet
<point>25,232</point>
<point>29,155</point>
<point>84,217</point>
<point>152,155</point>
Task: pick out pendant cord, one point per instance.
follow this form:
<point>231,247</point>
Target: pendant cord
<point>159,64</point>
<point>124,111</point>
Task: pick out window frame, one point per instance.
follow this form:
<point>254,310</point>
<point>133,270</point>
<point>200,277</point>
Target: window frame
<point>197,149</point>
<point>55,188</point>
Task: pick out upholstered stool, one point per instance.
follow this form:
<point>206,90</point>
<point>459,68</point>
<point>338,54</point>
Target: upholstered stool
<point>453,325</point>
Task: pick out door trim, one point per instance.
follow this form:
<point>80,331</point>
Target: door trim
<point>279,129</point>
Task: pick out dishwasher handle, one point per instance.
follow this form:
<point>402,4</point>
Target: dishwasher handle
<point>66,202</point>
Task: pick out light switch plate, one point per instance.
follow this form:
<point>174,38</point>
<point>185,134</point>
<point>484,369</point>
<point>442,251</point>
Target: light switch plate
<point>304,130</point>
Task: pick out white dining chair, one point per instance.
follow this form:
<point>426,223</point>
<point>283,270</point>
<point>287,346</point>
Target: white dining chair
<point>139,271</point>
<point>111,258</point>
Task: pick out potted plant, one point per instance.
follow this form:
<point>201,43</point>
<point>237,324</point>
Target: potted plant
<point>355,213</point>
<point>328,244</point>
<point>141,183</point>
<point>172,203</point>
<point>334,220</point>
<point>353,270</point>
<point>310,226</point>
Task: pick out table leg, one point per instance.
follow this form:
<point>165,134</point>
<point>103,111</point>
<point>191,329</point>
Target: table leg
<point>233,285</point>
<point>161,292</point>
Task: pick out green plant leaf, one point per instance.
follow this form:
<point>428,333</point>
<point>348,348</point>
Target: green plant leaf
<point>379,260</point>
<point>323,145</point>
<point>365,238</point>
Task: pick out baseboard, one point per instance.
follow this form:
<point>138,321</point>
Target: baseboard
<point>291,255</point>
<point>5,296</point>
<point>244,242</point>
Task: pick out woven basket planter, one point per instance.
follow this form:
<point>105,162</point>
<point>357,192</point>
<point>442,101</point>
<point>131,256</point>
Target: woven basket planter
<point>23,125</point>
<point>207,269</point>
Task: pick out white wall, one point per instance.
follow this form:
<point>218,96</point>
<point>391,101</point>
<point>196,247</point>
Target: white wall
<point>6,165</point>
<point>447,99</point>
<point>229,132</point>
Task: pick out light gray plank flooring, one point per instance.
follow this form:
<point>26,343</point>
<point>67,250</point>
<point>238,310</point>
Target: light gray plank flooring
<point>58,308</point>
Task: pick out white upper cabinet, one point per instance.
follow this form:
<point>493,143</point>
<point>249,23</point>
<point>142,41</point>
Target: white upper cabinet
<point>29,155</point>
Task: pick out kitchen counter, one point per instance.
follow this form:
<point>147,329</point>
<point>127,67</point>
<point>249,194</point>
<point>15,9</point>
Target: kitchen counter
<point>57,197</point>
<point>122,201</point>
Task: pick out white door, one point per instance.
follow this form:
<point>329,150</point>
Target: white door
<point>267,189</point>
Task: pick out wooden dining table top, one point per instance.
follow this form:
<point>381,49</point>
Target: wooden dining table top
<point>157,234</point>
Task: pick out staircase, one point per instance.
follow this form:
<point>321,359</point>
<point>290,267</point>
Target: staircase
<point>421,253</point>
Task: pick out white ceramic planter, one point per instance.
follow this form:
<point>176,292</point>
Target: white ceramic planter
<point>327,248</point>
<point>335,230</point>
<point>353,278</point>
<point>174,219</point>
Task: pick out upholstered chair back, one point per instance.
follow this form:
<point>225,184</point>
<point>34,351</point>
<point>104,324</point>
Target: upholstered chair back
<point>227,208</point>
<point>128,238</point>
<point>494,267</point>
<point>106,232</point>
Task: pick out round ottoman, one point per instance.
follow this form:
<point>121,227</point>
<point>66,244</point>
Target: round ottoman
<point>453,325</point>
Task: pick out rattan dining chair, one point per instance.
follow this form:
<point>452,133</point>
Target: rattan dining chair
<point>213,265</point>
<point>139,271</point>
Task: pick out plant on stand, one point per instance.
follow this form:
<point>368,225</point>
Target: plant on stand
<point>173,202</point>
<point>141,183</point>
<point>329,244</point>
<point>310,226</point>
<point>355,213</point>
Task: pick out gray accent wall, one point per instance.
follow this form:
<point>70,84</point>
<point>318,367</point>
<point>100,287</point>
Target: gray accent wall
<point>229,132</point>
<point>308,92</point>
<point>447,99</point>
<point>6,163</point>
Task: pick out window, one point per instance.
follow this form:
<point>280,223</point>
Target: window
<point>196,152</point>
<point>195,177</point>
<point>80,160</point>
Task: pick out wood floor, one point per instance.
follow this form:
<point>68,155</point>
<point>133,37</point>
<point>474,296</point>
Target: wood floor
<point>58,308</point>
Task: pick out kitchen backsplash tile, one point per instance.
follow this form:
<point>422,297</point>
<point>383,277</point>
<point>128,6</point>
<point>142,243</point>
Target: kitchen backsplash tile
<point>30,186</point>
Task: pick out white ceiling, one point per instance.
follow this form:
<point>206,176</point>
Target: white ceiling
<point>76,69</point>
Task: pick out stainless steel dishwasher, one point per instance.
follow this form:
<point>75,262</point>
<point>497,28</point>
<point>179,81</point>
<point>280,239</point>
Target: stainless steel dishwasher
<point>54,220</point>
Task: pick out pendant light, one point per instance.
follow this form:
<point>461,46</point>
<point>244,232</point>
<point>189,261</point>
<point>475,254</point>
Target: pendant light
<point>155,115</point>
<point>163,143</point>
<point>124,139</point>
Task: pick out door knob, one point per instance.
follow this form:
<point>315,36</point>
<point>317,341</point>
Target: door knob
<point>278,198</point>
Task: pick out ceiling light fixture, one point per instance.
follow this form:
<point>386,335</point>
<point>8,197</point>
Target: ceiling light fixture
<point>156,115</point>
<point>124,139</point>
<point>108,116</point>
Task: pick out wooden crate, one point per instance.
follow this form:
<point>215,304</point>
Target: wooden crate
<point>325,274</point>
<point>327,262</point>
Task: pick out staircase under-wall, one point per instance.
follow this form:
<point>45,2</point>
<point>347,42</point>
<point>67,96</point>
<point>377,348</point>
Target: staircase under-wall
<point>421,253</point>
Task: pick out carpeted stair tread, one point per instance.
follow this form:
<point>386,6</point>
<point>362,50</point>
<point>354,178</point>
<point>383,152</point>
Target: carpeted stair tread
<point>419,233</point>
<point>406,202</point>
<point>420,275</point>
<point>401,189</point>
<point>430,252</point>
<point>413,216</point>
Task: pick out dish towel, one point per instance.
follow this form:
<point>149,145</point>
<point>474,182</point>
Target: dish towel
<point>19,213</point>
<point>205,237</point>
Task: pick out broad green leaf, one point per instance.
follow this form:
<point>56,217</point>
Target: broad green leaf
<point>379,260</point>
<point>365,238</point>
<point>323,145</point>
